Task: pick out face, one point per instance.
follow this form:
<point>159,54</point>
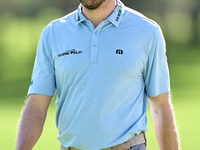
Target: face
<point>91,4</point>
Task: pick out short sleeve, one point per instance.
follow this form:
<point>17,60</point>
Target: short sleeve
<point>156,74</point>
<point>43,76</point>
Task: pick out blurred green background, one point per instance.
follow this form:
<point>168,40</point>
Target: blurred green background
<point>21,22</point>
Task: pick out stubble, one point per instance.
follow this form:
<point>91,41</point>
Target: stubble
<point>92,4</point>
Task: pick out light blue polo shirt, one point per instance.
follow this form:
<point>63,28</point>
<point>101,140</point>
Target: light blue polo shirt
<point>102,75</point>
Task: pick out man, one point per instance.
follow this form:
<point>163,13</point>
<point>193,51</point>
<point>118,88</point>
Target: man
<point>104,60</point>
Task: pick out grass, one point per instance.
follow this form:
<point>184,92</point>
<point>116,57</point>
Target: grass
<point>184,67</point>
<point>185,83</point>
<point>186,102</point>
<point>187,115</point>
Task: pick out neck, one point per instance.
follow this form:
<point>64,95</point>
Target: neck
<point>98,15</point>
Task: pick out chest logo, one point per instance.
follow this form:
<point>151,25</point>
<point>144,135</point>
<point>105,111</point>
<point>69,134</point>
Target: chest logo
<point>119,51</point>
<point>69,52</point>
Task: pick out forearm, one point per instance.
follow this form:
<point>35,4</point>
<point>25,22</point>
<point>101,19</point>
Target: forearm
<point>31,126</point>
<point>165,127</point>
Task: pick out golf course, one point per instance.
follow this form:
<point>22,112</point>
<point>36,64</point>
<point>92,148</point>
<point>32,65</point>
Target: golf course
<point>18,42</point>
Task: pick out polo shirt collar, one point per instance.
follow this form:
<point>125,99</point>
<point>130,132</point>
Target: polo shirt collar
<point>79,16</point>
<point>114,18</point>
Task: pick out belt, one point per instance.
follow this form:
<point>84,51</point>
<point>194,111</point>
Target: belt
<point>135,140</point>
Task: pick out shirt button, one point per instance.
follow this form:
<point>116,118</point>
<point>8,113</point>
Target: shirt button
<point>94,44</point>
<point>95,32</point>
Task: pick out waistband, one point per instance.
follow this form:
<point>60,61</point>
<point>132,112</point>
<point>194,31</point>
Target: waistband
<point>135,140</point>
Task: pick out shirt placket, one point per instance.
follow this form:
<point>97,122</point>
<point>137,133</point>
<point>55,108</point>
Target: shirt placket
<point>94,46</point>
<point>95,42</point>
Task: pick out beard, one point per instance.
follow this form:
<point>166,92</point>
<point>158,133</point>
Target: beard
<point>91,4</point>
